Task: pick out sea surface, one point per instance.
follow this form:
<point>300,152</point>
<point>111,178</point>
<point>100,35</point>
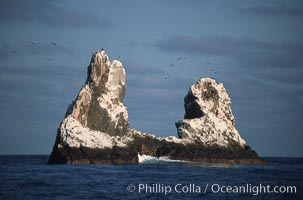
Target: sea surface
<point>29,177</point>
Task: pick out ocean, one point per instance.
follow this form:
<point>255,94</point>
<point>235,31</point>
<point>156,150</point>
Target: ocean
<point>29,177</point>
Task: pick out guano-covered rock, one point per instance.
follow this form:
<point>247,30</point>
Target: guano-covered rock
<point>95,129</point>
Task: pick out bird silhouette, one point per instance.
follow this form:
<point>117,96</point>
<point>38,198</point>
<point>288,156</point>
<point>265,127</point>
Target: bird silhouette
<point>165,78</point>
<point>179,58</point>
<point>49,59</point>
<point>54,43</point>
<point>32,43</point>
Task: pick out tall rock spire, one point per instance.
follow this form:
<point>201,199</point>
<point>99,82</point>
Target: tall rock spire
<point>99,105</point>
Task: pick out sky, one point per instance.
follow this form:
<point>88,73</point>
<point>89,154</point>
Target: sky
<point>255,46</point>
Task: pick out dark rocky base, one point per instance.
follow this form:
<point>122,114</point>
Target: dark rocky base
<point>154,147</point>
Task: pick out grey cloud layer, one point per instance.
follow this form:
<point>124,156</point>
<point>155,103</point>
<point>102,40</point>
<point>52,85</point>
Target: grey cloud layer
<point>8,50</point>
<point>212,45</point>
<point>276,9</point>
<point>246,51</point>
<point>48,13</point>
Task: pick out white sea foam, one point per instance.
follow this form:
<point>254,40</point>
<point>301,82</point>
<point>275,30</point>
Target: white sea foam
<point>146,159</point>
<point>151,159</point>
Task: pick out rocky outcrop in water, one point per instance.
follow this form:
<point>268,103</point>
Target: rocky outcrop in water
<point>95,129</point>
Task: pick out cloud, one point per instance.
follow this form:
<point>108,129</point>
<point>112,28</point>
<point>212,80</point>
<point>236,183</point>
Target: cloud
<point>245,51</point>
<point>211,45</point>
<point>277,9</point>
<point>48,13</point>
<point>283,55</point>
<point>42,81</point>
<point>31,48</point>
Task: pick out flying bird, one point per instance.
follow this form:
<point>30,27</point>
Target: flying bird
<point>54,43</point>
<point>165,78</point>
<point>32,43</point>
<point>49,59</point>
<point>179,58</point>
<point>215,71</point>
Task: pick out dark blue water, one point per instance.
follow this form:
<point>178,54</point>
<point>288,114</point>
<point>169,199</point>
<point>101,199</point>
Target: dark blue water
<point>28,177</point>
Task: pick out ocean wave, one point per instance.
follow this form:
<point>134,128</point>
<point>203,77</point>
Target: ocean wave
<point>151,159</point>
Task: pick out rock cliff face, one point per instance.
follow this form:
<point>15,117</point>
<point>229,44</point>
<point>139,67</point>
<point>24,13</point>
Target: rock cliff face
<point>208,117</point>
<point>95,128</point>
<point>99,104</point>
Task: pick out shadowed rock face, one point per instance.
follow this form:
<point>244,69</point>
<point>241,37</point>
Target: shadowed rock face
<point>192,108</point>
<point>95,128</point>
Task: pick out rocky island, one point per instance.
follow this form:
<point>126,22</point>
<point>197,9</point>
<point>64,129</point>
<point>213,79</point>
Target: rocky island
<point>95,129</point>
